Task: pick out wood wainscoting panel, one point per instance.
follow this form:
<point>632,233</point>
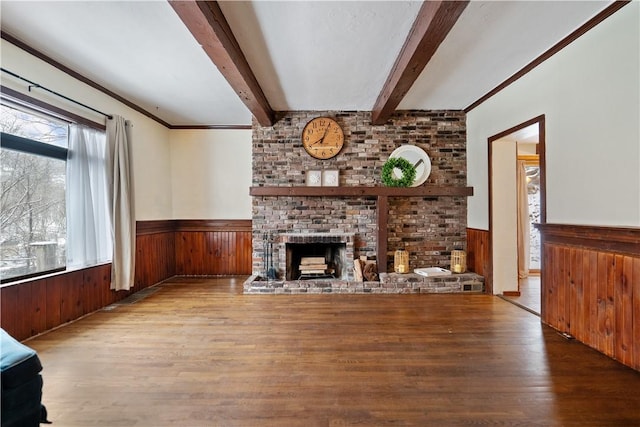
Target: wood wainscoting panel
<point>71,303</point>
<point>32,317</point>
<point>191,247</point>
<point>478,255</point>
<point>155,252</point>
<point>54,287</point>
<point>635,290</point>
<point>213,247</point>
<point>34,306</point>
<point>229,252</point>
<point>92,290</point>
<point>623,298</point>
<point>102,275</point>
<point>591,287</point>
<point>9,310</point>
<point>191,255</point>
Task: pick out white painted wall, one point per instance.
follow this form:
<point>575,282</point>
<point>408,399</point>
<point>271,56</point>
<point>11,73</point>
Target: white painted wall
<point>590,95</point>
<point>504,208</point>
<point>151,163</point>
<point>211,171</point>
<point>178,174</point>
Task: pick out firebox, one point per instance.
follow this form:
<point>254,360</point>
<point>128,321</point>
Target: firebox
<point>315,260</point>
<point>317,255</point>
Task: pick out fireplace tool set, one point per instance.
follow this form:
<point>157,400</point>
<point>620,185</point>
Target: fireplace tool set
<point>269,270</point>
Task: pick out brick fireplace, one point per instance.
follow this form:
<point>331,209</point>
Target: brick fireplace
<point>427,227</point>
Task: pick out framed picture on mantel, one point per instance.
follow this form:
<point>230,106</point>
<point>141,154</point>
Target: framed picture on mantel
<point>330,178</point>
<point>314,178</point>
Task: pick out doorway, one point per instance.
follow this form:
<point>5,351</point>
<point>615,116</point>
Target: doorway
<point>517,203</point>
<point>528,295</point>
<point>531,164</point>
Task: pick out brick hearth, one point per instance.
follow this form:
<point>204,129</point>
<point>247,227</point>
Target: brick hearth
<point>390,283</point>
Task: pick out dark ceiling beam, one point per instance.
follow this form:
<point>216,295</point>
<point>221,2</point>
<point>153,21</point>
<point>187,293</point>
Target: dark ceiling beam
<point>207,23</point>
<point>434,21</point>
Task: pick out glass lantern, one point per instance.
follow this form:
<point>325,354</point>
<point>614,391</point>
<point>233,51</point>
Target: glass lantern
<point>458,261</point>
<point>401,261</point>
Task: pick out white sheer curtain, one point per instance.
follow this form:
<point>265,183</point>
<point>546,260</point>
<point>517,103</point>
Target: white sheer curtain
<point>523,221</point>
<point>88,223</point>
<point>123,224</point>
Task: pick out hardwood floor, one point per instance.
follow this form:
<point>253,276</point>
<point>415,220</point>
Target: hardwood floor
<point>197,352</point>
<point>529,298</point>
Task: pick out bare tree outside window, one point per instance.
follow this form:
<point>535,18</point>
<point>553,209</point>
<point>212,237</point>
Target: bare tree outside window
<point>32,201</point>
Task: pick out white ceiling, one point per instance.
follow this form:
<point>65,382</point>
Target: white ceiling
<point>306,55</point>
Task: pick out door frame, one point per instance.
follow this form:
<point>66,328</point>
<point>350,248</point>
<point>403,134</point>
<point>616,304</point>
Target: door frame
<point>540,120</point>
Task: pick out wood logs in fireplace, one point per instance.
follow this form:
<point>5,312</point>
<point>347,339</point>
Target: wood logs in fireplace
<point>314,265</point>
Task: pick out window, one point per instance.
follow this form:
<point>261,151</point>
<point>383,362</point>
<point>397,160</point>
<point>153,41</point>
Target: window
<point>35,235</point>
<point>32,207</point>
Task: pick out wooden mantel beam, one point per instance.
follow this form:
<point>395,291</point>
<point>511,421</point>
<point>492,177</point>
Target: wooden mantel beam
<point>207,23</point>
<point>434,21</point>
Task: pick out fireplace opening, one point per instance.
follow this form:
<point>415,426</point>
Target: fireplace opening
<point>316,260</point>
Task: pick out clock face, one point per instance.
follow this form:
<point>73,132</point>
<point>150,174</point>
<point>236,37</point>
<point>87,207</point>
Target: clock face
<point>322,137</point>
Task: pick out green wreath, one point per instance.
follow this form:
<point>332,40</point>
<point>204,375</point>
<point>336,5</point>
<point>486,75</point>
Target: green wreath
<point>407,169</point>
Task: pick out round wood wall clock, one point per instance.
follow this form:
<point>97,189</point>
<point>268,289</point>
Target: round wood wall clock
<point>322,138</point>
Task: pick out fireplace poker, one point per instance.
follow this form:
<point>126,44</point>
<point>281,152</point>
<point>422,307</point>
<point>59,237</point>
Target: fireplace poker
<point>271,274</point>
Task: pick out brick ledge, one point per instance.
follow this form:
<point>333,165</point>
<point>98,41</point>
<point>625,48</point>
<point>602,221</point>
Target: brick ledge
<point>390,283</point>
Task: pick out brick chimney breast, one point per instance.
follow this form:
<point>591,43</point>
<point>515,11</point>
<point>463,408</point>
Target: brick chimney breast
<point>427,227</point>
